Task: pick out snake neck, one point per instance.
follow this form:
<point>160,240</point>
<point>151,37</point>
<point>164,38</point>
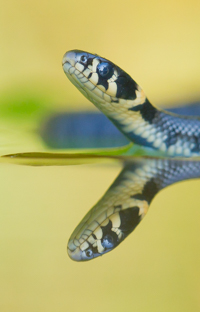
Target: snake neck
<point>135,122</point>
<point>159,130</point>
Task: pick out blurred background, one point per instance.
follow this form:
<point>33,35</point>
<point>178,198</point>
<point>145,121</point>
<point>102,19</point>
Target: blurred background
<point>157,43</point>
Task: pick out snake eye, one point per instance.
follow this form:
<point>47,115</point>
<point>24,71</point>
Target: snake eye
<point>83,59</point>
<point>108,241</point>
<point>105,70</point>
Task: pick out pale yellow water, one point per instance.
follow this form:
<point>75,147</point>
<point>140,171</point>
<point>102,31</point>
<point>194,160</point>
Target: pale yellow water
<point>157,268</point>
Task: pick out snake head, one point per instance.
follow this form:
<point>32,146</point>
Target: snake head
<point>100,80</point>
<point>98,234</point>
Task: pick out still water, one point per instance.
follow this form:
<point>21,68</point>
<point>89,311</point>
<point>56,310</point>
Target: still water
<point>155,269</point>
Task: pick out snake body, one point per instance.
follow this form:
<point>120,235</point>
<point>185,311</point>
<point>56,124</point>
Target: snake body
<point>125,204</point>
<point>124,102</point>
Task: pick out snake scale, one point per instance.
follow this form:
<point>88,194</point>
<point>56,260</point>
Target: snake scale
<point>127,201</point>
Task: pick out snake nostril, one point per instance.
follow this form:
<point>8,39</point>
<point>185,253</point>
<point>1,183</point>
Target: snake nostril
<point>83,59</point>
<point>88,253</point>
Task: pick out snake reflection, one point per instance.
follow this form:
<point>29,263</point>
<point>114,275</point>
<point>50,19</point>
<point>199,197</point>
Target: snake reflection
<point>125,204</point>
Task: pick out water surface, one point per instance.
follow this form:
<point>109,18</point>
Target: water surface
<point>155,269</point>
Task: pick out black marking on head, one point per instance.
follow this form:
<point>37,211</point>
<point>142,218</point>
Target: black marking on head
<point>126,86</point>
<point>90,61</point>
<point>102,82</point>
<point>107,228</point>
<point>147,111</point>
<point>129,219</point>
<point>89,76</point>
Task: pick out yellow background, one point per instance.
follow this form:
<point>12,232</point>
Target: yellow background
<point>156,42</point>
<point>157,267</point>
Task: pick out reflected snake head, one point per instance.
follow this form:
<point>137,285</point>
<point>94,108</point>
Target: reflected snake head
<point>94,238</point>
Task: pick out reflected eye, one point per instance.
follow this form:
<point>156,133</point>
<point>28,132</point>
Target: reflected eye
<point>106,70</point>
<point>83,58</point>
<point>108,241</point>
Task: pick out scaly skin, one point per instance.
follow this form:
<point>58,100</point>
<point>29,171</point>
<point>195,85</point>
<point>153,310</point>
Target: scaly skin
<point>124,102</point>
<point>125,204</point>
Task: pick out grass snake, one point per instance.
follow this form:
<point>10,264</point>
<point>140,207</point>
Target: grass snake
<point>171,135</point>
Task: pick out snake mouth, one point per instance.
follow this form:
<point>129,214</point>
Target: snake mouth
<point>69,69</point>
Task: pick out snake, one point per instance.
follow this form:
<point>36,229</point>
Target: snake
<point>125,204</point>
<point>124,102</point>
